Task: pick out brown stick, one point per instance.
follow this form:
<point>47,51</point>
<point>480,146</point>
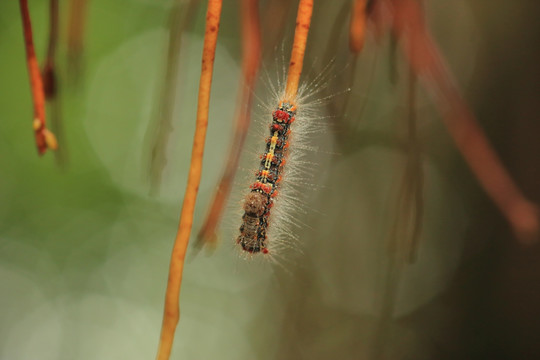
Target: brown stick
<point>171,313</point>
<point>44,138</point>
<point>250,65</point>
<point>303,21</point>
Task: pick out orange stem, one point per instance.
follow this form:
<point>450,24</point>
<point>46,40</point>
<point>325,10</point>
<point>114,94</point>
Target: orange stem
<point>44,138</point>
<point>425,59</point>
<point>303,20</point>
<point>357,28</point>
<point>250,65</point>
<point>171,313</point>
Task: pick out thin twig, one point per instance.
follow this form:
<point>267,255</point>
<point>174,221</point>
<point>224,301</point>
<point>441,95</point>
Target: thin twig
<point>408,24</point>
<point>250,67</point>
<point>303,21</point>
<point>44,138</point>
<point>171,313</point>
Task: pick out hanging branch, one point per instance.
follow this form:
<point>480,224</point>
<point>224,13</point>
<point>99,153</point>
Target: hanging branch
<point>303,21</point>
<point>250,66</point>
<point>171,313</point>
<point>44,138</point>
<point>408,25</point>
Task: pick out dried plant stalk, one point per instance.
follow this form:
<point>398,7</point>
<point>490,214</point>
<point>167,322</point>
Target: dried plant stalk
<point>171,313</point>
<point>408,25</point>
<point>250,66</point>
<point>303,21</point>
<point>44,138</point>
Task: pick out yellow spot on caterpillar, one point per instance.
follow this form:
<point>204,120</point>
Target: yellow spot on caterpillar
<point>270,155</point>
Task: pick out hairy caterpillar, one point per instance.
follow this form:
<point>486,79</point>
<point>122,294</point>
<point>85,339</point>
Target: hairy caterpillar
<point>258,203</point>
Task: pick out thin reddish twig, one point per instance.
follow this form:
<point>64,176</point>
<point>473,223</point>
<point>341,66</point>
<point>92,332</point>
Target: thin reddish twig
<point>303,21</point>
<point>171,313</point>
<point>424,57</point>
<point>250,66</point>
<point>44,138</point>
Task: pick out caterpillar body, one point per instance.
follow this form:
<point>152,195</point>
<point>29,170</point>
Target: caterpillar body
<point>259,201</point>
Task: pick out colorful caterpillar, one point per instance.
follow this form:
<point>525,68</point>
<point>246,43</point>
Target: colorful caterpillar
<point>258,203</point>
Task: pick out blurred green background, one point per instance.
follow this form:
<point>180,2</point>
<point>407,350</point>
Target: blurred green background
<point>84,248</point>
